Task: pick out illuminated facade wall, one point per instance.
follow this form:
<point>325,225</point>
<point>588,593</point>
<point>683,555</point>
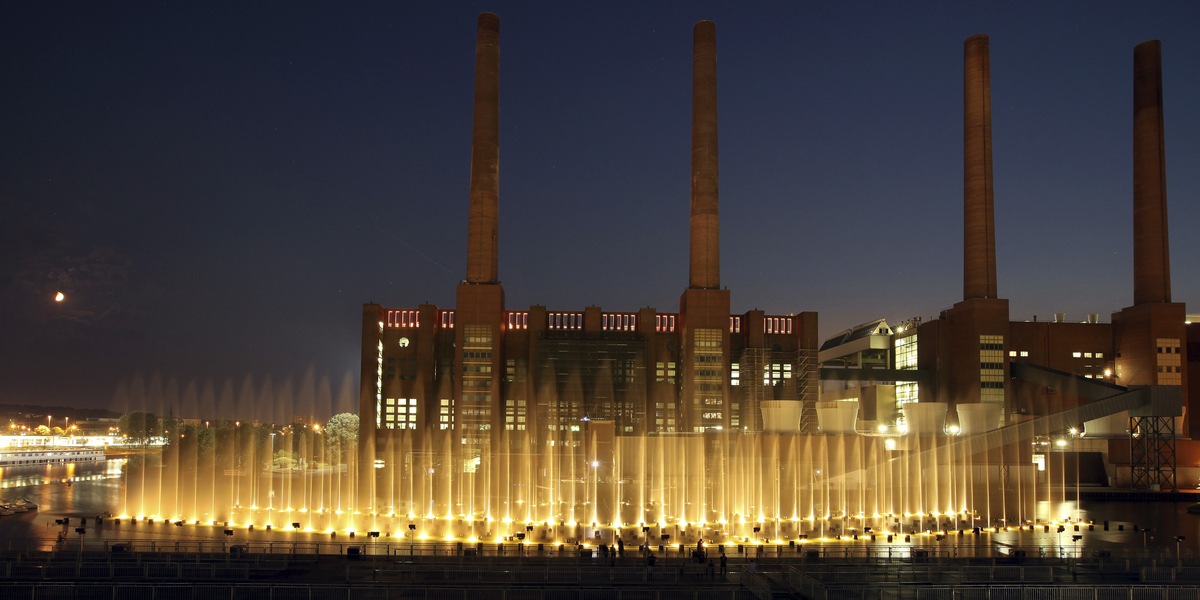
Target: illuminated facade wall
<point>907,344</point>
<point>560,371</point>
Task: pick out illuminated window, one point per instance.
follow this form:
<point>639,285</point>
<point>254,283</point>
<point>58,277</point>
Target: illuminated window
<point>991,369</point>
<point>515,371</point>
<point>664,417</point>
<point>906,359</point>
<point>777,325</point>
<point>403,318</point>
<point>518,320</point>
<point>446,414</point>
<point>399,413</point>
<point>476,381</point>
<point>708,375</point>
<point>618,322</point>
<point>568,321</point>
<point>735,374</point>
<point>664,372</point>
<point>514,415</point>
<point>664,323</point>
<point>775,373</point>
<point>378,383</point>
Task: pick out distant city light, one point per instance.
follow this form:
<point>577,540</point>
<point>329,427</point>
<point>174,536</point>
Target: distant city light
<point>59,297</point>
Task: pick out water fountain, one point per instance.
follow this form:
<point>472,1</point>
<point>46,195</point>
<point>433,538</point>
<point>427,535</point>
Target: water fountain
<point>590,486</point>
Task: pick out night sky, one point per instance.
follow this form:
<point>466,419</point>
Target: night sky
<point>217,188</point>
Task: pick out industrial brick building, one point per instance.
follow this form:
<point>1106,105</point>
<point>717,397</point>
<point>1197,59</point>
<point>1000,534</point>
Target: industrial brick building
<point>482,376</point>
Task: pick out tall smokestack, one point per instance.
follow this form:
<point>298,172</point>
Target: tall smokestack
<point>705,251</point>
<point>485,155</point>
<point>979,227</point>
<point>1151,253</point>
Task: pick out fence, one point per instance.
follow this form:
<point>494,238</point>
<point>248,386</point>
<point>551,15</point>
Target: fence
<point>141,591</point>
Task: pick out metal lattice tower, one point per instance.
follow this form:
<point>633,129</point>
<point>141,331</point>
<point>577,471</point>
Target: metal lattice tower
<point>1152,452</point>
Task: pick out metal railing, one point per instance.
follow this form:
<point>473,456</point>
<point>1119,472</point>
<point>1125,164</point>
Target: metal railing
<point>1030,592</point>
<point>142,591</point>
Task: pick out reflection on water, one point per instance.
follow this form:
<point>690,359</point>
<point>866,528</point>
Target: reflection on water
<point>85,489</point>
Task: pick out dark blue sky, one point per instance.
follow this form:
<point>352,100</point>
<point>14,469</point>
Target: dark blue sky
<point>218,187</point>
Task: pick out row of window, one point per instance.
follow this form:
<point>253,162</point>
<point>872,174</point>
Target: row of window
<point>618,322</point>
<point>664,323</point>
<point>565,320</point>
<point>412,318</point>
<point>777,325</point>
<point>403,318</point>
<point>518,320</point>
